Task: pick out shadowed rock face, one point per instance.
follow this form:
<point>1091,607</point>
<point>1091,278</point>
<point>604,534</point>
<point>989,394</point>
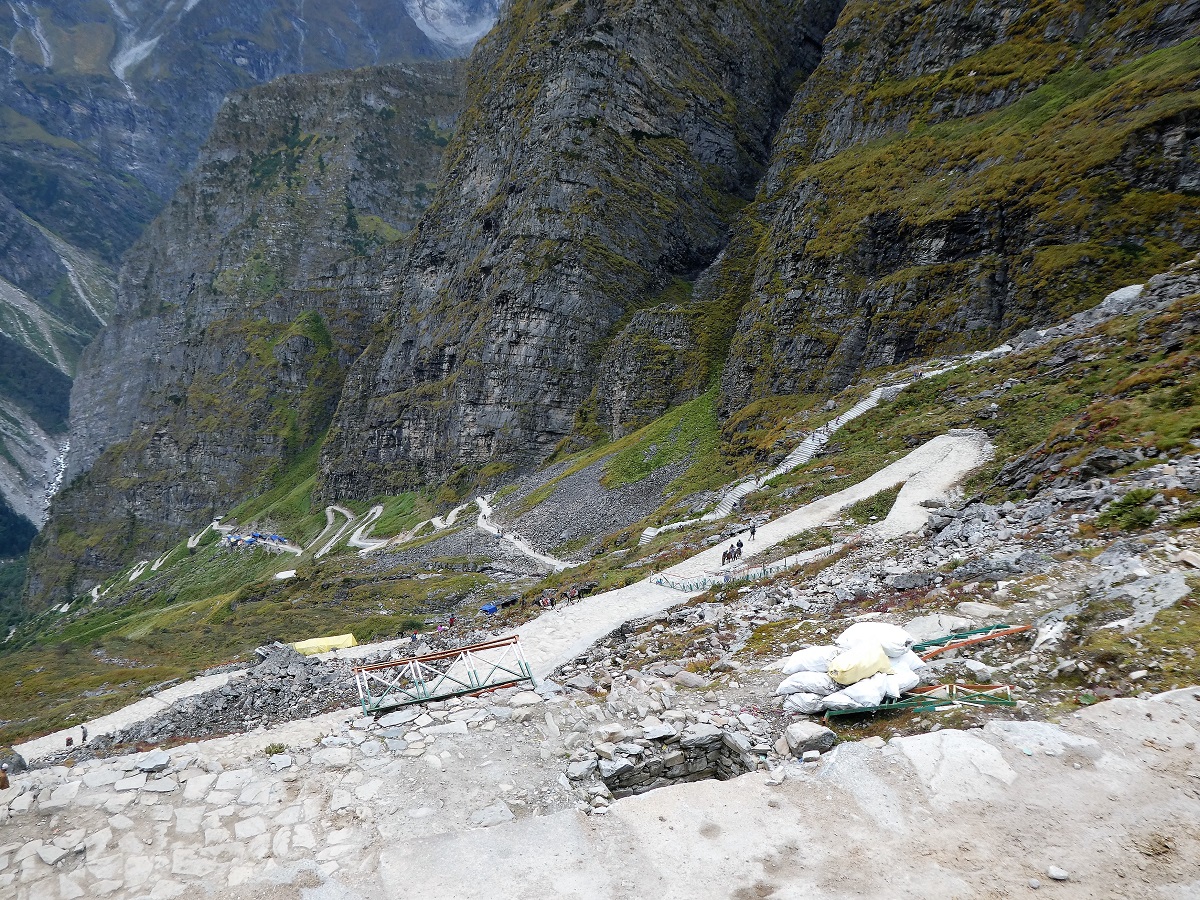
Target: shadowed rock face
<point>956,171</point>
<point>104,108</point>
<point>604,153</point>
<point>243,305</point>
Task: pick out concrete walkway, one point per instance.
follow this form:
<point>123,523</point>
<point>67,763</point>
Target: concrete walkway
<point>49,744</point>
<point>559,635</point>
<point>484,523</point>
<point>928,473</point>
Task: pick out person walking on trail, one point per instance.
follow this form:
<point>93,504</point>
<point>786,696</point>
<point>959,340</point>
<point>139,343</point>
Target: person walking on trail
<point>83,735</point>
<point>452,620</point>
<point>739,546</point>
<point>753,528</point>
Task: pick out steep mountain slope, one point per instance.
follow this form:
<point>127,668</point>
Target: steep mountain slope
<point>1001,165</point>
<point>243,304</point>
<point>603,246</point>
<point>605,150</point>
<point>105,103</point>
<point>951,172</point>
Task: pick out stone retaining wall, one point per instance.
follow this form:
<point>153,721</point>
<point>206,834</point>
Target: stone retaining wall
<point>700,752</point>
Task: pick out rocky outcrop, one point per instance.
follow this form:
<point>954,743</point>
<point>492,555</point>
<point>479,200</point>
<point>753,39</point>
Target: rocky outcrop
<point>105,106</point>
<point>244,303</point>
<point>957,171</point>
<point>653,362</point>
<point>605,150</point>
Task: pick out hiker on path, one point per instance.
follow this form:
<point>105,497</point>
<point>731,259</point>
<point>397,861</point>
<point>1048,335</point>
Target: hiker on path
<point>739,546</point>
<point>753,528</point>
<point>83,735</point>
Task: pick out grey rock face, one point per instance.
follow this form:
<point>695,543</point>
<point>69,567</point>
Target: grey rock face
<point>852,270</point>
<point>106,108</point>
<point>246,301</point>
<point>600,158</point>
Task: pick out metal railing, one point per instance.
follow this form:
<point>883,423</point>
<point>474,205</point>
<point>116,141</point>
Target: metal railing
<point>439,676</point>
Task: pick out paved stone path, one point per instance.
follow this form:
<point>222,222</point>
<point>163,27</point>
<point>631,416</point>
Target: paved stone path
<point>981,813</point>
<point>928,472</point>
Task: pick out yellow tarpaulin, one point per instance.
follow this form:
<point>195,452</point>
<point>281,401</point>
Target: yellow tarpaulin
<point>325,644</point>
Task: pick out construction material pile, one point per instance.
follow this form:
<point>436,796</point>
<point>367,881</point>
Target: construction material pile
<point>866,664</point>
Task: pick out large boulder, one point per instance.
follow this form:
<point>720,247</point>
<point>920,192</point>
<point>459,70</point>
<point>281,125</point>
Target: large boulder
<point>804,736</point>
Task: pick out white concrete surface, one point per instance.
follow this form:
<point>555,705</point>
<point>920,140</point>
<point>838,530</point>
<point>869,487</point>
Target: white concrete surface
<point>928,472</point>
<point>143,709</point>
<point>950,814</point>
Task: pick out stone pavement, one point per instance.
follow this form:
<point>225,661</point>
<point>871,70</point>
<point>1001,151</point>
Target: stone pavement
<point>1108,803</point>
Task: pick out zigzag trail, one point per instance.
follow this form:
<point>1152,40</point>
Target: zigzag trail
<point>927,473</point>
<point>811,445</point>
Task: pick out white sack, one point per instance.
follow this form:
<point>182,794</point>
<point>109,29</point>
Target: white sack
<point>909,661</point>
<point>903,680</point>
<point>868,692</point>
<point>894,639</point>
<point>807,683</point>
<point>808,704</point>
<point>810,659</point>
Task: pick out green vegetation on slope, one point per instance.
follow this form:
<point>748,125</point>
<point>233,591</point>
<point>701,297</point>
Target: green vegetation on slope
<point>900,227</point>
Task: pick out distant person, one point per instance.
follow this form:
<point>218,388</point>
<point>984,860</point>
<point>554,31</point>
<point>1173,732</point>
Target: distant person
<point>414,639</point>
<point>4,777</point>
<point>753,529</point>
<point>452,620</point>
<point>82,735</point>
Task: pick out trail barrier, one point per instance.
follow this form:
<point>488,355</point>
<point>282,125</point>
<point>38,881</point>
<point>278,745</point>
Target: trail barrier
<point>439,676</point>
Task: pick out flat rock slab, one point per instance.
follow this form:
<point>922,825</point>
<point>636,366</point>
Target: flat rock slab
<point>400,717</point>
<point>496,814</point>
<point>525,698</point>
<point>926,628</point>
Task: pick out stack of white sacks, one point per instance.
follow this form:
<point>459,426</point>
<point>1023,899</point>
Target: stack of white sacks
<point>868,662</point>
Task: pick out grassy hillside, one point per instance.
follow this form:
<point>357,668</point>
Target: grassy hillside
<point>1129,385</point>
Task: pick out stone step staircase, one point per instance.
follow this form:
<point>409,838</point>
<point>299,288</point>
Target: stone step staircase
<point>803,453</point>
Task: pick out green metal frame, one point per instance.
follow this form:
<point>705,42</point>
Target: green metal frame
<point>973,636</point>
<point>469,670</point>
<point>958,695</point>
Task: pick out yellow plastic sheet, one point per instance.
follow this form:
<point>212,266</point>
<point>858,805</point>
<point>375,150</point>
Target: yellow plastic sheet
<point>325,644</point>
<point>862,662</point>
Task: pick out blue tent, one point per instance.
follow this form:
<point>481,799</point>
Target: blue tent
<point>490,609</point>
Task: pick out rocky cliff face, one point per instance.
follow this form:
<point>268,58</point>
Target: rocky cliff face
<point>243,304</point>
<point>957,171</point>
<point>640,200</point>
<point>104,107</point>
<point>605,151</point>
